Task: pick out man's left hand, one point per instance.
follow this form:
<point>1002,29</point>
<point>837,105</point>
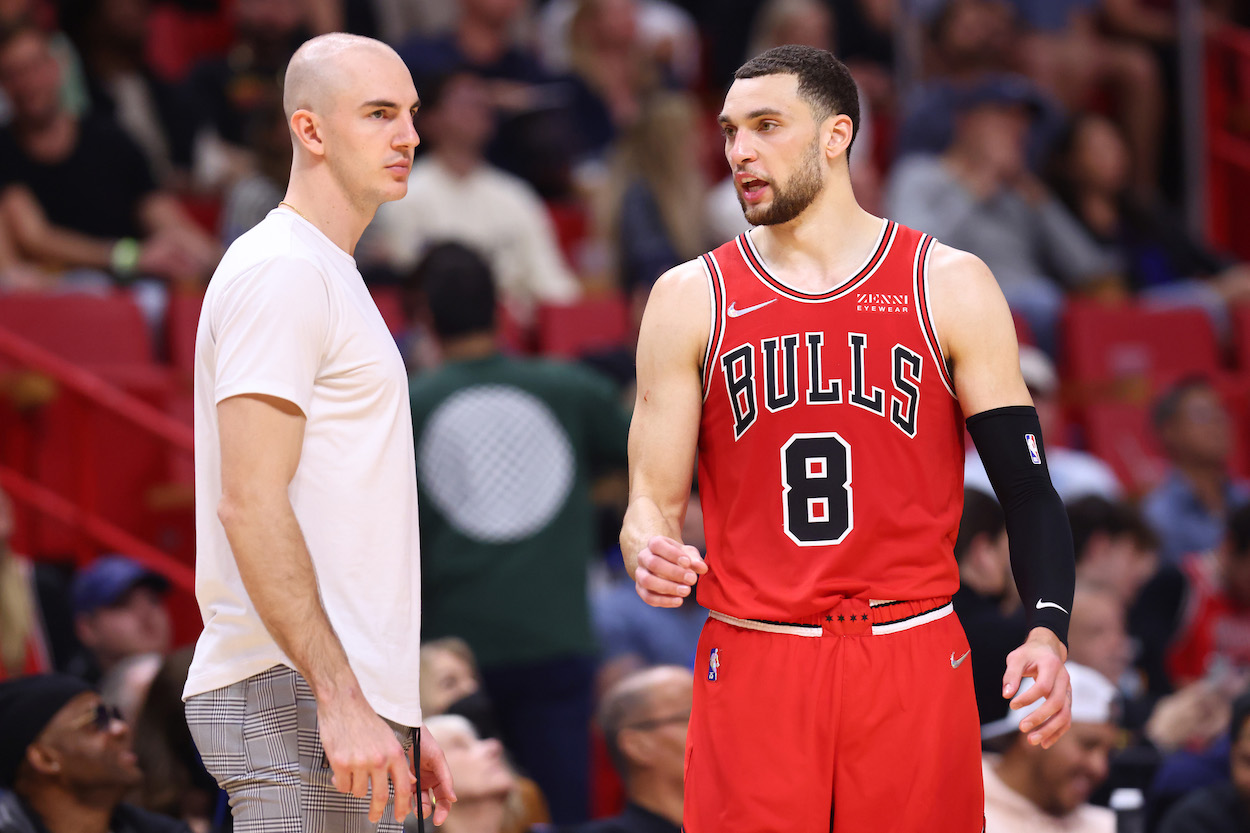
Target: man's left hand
<point>1041,657</point>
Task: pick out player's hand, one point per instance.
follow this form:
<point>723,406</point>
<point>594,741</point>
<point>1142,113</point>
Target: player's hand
<point>437,793</point>
<point>666,570</point>
<point>1041,657</point>
<point>363,751</point>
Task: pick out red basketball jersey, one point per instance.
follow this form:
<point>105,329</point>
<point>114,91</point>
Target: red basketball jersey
<point>831,444</point>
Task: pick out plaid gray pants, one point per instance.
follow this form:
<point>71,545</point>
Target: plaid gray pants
<point>259,739</point>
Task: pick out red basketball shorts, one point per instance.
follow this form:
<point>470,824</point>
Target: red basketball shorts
<point>869,726</point>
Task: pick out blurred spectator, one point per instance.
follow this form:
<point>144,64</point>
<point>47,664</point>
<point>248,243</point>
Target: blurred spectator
<point>79,193</point>
<point>1223,807</point>
<point>967,43</point>
<point>1034,790</point>
<point>111,36</point>
<point>488,797</point>
<point>865,42</point>
<point>612,69</point>
<point>644,719</point>
<point>1214,639</point>
<point>1189,509</point>
<point>506,449</point>
<point>483,40</point>
<point>1152,726</point>
<point>451,684</point>
<point>1115,549</point>
<point>1063,49</point>
<point>651,211</point>
<point>66,757</point>
<point>126,683</point>
<point>226,91</point>
<point>455,195</point>
<point>1162,260</point>
<point>987,602</point>
<point>1076,474</point>
<point>665,30</point>
<point>979,196</point>
<point>119,612</point>
<point>24,647</point>
<point>175,783</point>
<point>810,23</point>
<point>249,199</point>
<point>632,634</point>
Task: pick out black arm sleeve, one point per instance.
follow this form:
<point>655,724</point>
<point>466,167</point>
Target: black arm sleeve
<point>1042,559</point>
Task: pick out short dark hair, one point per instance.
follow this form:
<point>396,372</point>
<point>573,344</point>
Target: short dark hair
<point>982,516</point>
<point>1168,405</point>
<point>1093,514</point>
<point>824,82</point>
<point>458,288</point>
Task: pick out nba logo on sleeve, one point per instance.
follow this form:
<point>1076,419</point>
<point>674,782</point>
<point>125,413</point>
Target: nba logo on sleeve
<point>1031,442</point>
<point>713,664</point>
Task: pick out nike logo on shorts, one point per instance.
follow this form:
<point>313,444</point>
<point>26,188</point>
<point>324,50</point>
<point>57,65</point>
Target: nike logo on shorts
<point>734,312</point>
<point>1041,604</point>
<point>955,663</point>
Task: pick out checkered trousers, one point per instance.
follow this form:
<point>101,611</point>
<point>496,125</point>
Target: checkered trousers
<point>259,739</point>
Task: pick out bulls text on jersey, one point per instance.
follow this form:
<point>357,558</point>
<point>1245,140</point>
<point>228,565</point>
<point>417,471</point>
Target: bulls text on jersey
<point>770,372</point>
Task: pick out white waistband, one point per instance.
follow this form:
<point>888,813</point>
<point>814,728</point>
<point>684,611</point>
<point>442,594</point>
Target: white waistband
<point>817,630</point>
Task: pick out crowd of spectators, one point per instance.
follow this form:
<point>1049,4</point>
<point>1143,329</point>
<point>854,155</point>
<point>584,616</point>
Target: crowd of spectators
<point>569,152</point>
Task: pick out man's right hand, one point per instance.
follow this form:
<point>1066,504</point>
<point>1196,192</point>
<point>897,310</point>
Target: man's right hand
<point>362,750</point>
<point>666,570</point>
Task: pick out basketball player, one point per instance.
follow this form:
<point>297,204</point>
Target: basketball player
<point>305,678</point>
<point>826,394</point>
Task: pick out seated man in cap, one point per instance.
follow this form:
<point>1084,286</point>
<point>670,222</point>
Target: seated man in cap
<point>118,613</point>
<point>67,760</point>
<point>644,718</point>
<point>1029,789</point>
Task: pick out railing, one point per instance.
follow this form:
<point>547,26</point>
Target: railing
<point>1228,137</point>
<point>93,391</point>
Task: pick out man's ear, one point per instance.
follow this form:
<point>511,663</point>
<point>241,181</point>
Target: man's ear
<point>635,746</point>
<point>42,760</point>
<point>307,129</point>
<point>840,133</point>
<point>84,629</point>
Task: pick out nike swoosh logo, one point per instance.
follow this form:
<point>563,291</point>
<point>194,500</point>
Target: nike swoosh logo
<point>734,312</point>
<point>955,663</point>
<point>1041,604</point>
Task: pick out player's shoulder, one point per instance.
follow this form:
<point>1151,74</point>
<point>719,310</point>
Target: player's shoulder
<point>270,253</point>
<point>960,283</point>
<point>683,284</point>
<point>950,265</point>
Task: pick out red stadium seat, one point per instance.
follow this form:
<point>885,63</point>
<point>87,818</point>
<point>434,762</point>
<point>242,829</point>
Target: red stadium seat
<point>587,326</point>
<point>182,319</point>
<point>85,329</point>
<point>1120,433</point>
<point>1110,346</point>
<point>1241,336</point>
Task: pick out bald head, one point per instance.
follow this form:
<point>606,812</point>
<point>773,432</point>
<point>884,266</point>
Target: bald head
<point>327,66</point>
<point>643,700</point>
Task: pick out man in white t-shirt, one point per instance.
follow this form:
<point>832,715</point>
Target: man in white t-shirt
<point>304,684</point>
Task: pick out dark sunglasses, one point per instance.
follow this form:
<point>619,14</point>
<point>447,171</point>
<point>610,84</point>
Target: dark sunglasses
<point>102,718</point>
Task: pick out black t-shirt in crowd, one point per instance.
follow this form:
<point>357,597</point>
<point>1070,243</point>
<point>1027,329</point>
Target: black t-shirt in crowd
<point>95,190</point>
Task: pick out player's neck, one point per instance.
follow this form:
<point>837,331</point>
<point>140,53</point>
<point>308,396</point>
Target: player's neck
<point>822,245</point>
<point>319,199</point>
<point>1014,771</point>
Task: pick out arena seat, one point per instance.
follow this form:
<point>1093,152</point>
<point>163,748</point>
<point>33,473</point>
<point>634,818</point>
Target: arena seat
<point>587,326</point>
<point>1241,336</point>
<point>1105,347</point>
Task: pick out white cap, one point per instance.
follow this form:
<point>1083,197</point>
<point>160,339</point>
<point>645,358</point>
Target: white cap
<point>1092,698</point>
<point>1038,371</point>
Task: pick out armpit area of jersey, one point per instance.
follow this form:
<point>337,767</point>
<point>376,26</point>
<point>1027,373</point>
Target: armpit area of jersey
<point>1009,441</point>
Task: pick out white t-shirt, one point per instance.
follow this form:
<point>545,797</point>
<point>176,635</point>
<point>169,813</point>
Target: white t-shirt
<point>491,211</point>
<point>287,315</point>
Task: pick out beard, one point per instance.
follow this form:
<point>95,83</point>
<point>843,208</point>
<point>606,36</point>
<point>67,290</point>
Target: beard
<point>793,198</point>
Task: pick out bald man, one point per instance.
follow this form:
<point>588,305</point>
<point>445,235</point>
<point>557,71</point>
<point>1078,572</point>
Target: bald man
<point>303,694</point>
<point>644,718</point>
